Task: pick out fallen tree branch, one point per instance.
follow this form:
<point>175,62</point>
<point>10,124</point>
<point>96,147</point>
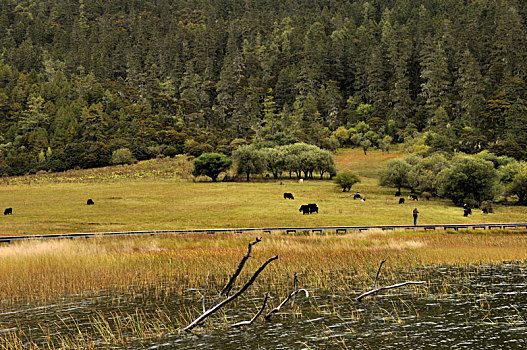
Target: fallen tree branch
<point>295,281</point>
<point>349,195</point>
<point>377,290</point>
<point>378,273</point>
<point>276,309</point>
<point>250,322</point>
<point>215,308</point>
<point>205,291</point>
<point>227,289</point>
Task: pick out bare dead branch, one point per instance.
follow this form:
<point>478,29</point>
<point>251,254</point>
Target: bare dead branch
<point>250,322</point>
<point>295,281</point>
<point>377,290</point>
<point>215,308</point>
<point>378,273</point>
<point>276,309</point>
<point>205,291</point>
<point>227,289</point>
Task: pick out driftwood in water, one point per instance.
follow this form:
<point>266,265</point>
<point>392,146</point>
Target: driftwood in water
<point>227,289</point>
<point>224,302</point>
<point>295,281</point>
<point>378,273</point>
<point>377,290</point>
<point>276,309</point>
<point>205,292</point>
<point>250,322</point>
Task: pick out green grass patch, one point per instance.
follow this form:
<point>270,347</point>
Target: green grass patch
<point>160,195</point>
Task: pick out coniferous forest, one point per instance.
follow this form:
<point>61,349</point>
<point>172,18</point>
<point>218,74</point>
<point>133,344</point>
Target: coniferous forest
<point>80,79</point>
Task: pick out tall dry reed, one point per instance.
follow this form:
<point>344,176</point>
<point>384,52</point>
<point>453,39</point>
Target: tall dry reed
<point>56,268</point>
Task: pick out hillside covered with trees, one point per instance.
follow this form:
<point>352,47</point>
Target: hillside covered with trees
<point>82,79</point>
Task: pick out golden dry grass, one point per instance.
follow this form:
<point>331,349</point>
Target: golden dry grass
<point>55,268</point>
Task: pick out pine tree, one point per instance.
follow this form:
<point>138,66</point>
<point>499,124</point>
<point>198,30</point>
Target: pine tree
<point>436,77</point>
<point>470,87</point>
<point>34,116</point>
<point>397,45</point>
<point>509,41</point>
<point>515,126</point>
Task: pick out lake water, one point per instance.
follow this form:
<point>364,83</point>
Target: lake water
<point>480,307</point>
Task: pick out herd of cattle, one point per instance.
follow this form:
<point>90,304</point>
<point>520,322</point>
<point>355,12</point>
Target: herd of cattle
<point>313,208</point>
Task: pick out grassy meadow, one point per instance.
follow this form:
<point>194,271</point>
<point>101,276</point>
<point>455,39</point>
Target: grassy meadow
<point>162,195</point>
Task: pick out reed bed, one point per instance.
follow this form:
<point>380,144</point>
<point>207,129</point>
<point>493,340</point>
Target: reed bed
<point>115,331</point>
<point>57,268</point>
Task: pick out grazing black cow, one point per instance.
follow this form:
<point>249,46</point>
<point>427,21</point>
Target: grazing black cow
<point>8,211</point>
<point>90,202</point>
<point>288,195</point>
<point>401,200</point>
<point>413,197</point>
<point>398,194</point>
<point>467,210</point>
<point>313,208</point>
<point>304,209</point>
<point>356,196</point>
<point>484,211</point>
<point>308,208</point>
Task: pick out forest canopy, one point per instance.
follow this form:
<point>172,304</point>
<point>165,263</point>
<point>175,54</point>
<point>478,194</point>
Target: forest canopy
<point>81,79</point>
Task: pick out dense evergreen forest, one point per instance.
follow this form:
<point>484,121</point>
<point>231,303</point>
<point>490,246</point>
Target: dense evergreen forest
<point>80,79</point>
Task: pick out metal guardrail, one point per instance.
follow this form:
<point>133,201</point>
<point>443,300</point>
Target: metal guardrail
<point>293,230</point>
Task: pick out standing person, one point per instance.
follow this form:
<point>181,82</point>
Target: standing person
<point>415,212</point>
